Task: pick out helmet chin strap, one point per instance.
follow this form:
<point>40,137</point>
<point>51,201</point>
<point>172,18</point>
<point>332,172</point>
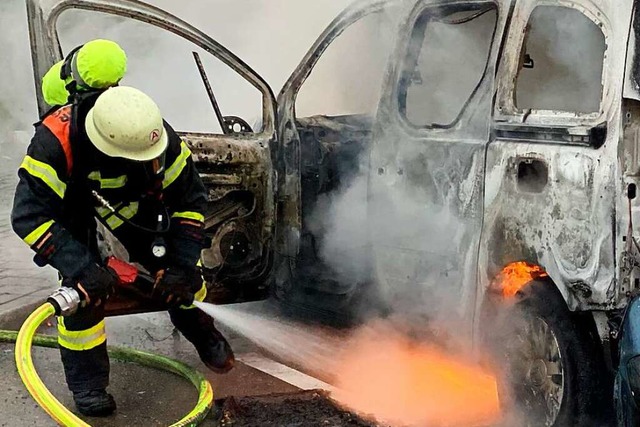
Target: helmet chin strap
<point>66,72</point>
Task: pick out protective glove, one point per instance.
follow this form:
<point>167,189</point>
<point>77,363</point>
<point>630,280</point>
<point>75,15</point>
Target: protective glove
<point>96,283</point>
<point>177,286</point>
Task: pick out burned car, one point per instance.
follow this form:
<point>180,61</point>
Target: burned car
<point>499,176</point>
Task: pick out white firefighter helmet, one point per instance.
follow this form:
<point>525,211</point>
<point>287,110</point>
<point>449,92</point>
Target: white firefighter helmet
<point>125,122</point>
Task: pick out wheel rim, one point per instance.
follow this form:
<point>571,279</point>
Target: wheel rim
<point>537,371</point>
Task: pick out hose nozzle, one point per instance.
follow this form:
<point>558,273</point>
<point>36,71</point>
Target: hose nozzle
<point>65,300</point>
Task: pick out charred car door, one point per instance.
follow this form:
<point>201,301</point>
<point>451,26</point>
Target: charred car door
<point>235,163</point>
<point>427,164</point>
<point>320,156</point>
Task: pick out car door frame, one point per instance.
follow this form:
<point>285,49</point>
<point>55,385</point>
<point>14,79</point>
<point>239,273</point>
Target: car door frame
<point>289,155</point>
<point>247,155</point>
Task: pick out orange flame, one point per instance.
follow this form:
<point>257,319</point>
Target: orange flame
<point>400,382</point>
<point>516,276</point>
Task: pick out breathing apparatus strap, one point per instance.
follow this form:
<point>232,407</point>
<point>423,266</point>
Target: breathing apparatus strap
<point>160,228</point>
<point>66,73</point>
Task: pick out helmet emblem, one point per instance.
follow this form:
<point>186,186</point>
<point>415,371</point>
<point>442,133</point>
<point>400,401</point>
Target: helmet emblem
<point>154,136</point>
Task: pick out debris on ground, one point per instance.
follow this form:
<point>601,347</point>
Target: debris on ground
<point>303,409</point>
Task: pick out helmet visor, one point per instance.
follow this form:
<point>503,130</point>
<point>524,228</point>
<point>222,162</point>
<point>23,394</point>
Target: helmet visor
<point>154,168</point>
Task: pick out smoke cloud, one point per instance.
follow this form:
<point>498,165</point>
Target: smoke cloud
<point>566,53</point>
<point>161,63</point>
<point>17,101</point>
<point>413,209</point>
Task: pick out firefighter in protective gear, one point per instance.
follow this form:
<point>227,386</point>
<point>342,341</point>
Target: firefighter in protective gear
<point>96,65</point>
<point>117,147</point>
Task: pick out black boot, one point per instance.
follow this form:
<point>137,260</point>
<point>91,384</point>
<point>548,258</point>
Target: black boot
<point>94,403</point>
<point>213,349</point>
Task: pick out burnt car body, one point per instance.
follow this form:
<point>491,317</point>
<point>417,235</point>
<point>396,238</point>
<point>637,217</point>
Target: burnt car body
<point>528,153</point>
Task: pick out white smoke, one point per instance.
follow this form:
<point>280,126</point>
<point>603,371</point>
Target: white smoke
<point>271,37</point>
<point>419,213</point>
<point>567,51</point>
<point>407,205</point>
<point>17,100</point>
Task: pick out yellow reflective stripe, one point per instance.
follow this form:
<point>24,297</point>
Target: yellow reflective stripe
<point>202,293</point>
<point>103,212</point>
<point>199,296</point>
<point>117,182</point>
<point>81,340</point>
<point>36,234</point>
<point>196,216</point>
<point>46,173</point>
<point>174,171</point>
<point>127,212</point>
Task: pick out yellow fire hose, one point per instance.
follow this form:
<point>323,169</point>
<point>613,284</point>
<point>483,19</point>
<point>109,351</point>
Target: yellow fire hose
<point>26,337</point>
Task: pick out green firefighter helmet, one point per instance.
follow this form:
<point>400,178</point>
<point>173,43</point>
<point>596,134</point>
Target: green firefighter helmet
<point>54,91</point>
<point>98,64</point>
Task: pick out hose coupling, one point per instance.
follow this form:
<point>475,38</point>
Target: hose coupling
<point>65,300</point>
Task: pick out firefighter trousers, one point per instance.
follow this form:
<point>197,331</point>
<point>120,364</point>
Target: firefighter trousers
<point>83,344</point>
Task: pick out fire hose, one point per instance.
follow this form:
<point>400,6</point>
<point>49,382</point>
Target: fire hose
<point>64,302</point>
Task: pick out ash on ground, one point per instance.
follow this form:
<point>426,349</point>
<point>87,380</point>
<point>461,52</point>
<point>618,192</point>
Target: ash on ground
<point>303,409</point>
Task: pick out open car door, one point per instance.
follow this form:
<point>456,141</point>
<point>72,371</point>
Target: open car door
<point>234,160</point>
<point>326,113</point>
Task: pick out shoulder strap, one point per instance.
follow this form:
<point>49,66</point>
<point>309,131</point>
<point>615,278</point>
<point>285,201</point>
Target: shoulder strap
<point>59,123</point>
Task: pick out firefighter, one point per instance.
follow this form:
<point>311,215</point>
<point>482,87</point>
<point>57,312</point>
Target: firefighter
<point>117,162</point>
<point>93,66</point>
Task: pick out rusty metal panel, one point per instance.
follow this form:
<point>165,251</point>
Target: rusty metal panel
<point>239,177</point>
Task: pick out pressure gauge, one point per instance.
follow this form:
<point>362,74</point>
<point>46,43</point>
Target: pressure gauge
<point>159,249</point>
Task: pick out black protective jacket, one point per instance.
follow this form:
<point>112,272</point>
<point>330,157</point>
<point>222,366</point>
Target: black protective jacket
<point>55,213</point>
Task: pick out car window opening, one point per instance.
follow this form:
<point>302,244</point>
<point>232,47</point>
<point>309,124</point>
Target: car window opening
<point>561,62</point>
<point>447,57</point>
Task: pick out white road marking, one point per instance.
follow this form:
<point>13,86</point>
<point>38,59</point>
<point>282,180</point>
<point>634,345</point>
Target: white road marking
<point>284,372</point>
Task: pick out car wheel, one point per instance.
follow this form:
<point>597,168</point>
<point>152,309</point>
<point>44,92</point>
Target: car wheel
<point>552,365</point>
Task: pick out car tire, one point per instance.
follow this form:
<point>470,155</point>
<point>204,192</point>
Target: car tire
<point>552,361</point>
